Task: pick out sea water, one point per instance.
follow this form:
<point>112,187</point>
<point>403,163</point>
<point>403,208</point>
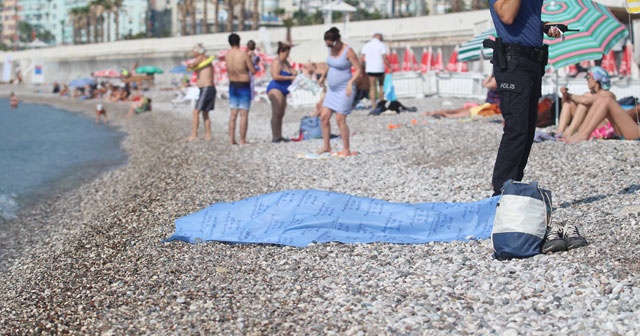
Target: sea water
<point>45,151</point>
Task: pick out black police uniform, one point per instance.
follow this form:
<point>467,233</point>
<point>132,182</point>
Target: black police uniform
<point>518,71</point>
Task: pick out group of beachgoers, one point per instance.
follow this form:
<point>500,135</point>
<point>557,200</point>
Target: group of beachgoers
<point>106,91</point>
<point>597,113</point>
<point>343,88</point>
<point>594,114</point>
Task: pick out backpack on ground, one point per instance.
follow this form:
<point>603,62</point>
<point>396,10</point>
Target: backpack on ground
<point>310,128</point>
<point>522,217</point>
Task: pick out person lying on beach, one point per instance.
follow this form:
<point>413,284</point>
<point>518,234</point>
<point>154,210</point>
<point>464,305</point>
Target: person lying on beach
<point>576,107</point>
<point>119,94</point>
<point>13,100</point>
<point>489,108</point>
<point>605,109</point>
<point>140,106</point>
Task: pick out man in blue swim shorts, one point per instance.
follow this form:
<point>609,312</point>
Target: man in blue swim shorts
<point>239,69</point>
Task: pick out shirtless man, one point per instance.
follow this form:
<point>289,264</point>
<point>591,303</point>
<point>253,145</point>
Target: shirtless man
<point>239,69</point>
<point>207,97</point>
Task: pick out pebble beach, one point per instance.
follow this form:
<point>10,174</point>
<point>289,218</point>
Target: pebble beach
<point>92,261</point>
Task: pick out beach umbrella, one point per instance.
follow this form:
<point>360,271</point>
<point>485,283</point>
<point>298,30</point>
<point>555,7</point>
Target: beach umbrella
<point>571,70</point>
<point>425,60</point>
<point>82,82</point>
<point>437,63</point>
<point>179,69</point>
<point>409,62</point>
<point>627,62</point>
<point>599,31</point>
<point>633,6</point>
<point>393,60</point>
<point>107,73</point>
<point>149,69</point>
<point>473,50</point>
<point>454,65</point>
<point>609,63</point>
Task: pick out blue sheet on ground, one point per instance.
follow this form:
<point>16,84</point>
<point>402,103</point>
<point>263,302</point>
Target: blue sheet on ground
<point>301,217</point>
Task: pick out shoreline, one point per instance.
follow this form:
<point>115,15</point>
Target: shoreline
<point>92,261</point>
<point>90,156</point>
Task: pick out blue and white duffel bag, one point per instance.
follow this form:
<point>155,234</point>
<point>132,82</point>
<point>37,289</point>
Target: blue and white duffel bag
<point>522,217</point>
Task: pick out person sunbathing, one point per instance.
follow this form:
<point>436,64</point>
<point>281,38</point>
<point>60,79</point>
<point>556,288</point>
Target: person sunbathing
<point>606,109</point>
<point>140,106</point>
<point>575,107</point>
<point>489,108</point>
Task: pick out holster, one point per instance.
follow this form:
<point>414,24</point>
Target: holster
<point>545,54</point>
<point>499,52</point>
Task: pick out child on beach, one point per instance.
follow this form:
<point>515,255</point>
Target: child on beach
<point>13,100</point>
<point>101,113</point>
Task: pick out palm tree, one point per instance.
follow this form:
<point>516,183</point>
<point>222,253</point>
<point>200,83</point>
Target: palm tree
<point>95,10</point>
<point>216,13</point>
<point>62,22</point>
<point>74,19</point>
<point>116,6</point>
<point>456,6</point>
<point>230,8</point>
<point>242,9</point>
<point>205,29</point>
<point>108,8</point>
<point>192,11</point>
<point>182,8</point>
<point>256,15</point>
<point>86,22</point>
<point>288,23</point>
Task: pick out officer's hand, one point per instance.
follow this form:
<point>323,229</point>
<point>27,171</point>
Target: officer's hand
<point>554,32</point>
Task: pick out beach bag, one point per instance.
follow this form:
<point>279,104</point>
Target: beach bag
<point>389,89</point>
<point>398,107</point>
<point>310,128</point>
<point>522,217</point>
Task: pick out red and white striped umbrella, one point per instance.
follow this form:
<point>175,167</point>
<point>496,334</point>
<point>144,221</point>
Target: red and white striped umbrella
<point>393,60</point>
<point>425,60</point>
<point>627,60</point>
<point>609,63</point>
<point>409,62</point>
<point>107,73</point>
<point>454,65</point>
<point>437,63</point>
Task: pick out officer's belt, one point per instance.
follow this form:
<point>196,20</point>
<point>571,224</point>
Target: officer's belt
<point>534,54</point>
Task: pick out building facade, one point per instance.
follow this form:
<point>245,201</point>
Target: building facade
<point>53,15</point>
<point>9,15</point>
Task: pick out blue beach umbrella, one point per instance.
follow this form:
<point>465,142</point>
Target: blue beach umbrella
<point>82,82</point>
<point>179,69</point>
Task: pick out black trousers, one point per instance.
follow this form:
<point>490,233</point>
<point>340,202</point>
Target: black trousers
<point>519,87</point>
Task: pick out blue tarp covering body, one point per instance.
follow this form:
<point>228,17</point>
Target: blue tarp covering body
<point>301,217</point>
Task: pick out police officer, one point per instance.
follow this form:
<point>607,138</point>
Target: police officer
<point>519,60</point>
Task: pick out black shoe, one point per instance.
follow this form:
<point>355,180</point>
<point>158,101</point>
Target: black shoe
<point>573,238</point>
<point>554,240</point>
<point>375,111</point>
<point>280,140</point>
